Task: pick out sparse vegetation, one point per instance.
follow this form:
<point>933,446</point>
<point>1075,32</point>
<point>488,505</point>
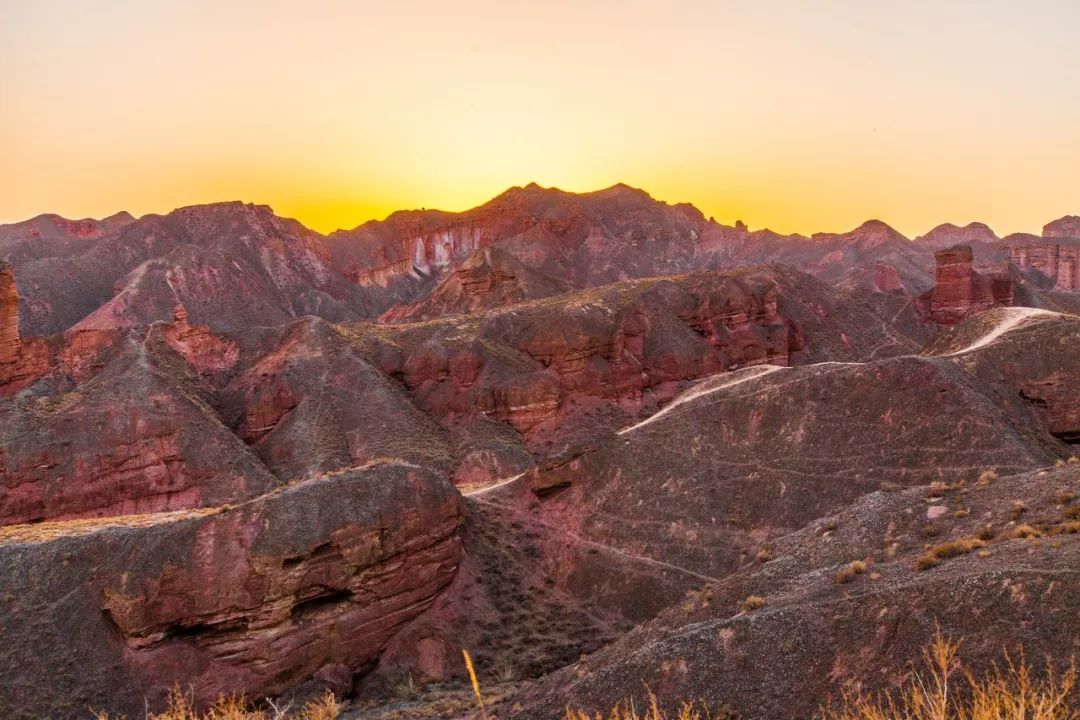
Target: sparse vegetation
<point>182,707</point>
<point>938,553</point>
<point>987,477</point>
<point>1024,531</point>
<point>751,603</point>
<point>852,570</point>
<point>948,691</point>
<point>627,711</point>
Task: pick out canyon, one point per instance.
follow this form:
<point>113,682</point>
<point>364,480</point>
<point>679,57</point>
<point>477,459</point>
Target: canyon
<point>571,433</point>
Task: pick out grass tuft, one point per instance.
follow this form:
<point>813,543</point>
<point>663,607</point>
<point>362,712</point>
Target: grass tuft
<point>938,553</point>
<point>947,691</point>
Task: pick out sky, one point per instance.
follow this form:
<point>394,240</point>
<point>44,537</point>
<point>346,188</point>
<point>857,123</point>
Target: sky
<point>795,115</point>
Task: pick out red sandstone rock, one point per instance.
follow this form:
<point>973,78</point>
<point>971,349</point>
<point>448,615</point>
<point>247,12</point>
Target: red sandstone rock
<point>1066,227</point>
<point>10,346</point>
<point>311,581</point>
<point>960,292</point>
<point>490,277</point>
<point>201,348</point>
<point>21,362</point>
<point>1058,262</point>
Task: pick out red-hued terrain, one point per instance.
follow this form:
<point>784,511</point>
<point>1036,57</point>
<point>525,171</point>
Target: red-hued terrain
<point>571,433</point>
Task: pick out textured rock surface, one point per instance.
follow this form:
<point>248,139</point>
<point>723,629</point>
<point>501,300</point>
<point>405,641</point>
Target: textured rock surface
<point>959,291</point>
<point>10,346</point>
<point>1058,263</point>
<point>134,438</point>
<point>815,636</point>
<point>739,468</point>
<point>567,366</point>
<point>254,599</point>
<point>1066,227</point>
<point>489,278</point>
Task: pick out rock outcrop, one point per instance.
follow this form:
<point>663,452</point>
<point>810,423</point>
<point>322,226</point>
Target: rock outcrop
<point>489,278</point>
<point>810,637</point>
<point>1058,262</point>
<point>136,437</point>
<point>10,345</point>
<point>305,584</point>
<point>21,361</point>
<point>1066,227</point>
<point>960,292</point>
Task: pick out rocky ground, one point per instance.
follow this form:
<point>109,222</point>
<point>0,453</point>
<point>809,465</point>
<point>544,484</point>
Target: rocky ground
<point>598,441</point>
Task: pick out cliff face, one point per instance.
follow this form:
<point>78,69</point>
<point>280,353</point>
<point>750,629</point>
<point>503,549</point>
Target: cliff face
<point>1058,262</point>
<point>308,582</point>
<point>9,316</point>
<point>21,361</point>
<point>959,291</point>
<point>1066,227</point>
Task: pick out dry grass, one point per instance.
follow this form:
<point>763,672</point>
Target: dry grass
<point>1023,531</point>
<point>627,711</point>
<point>751,603</point>
<point>181,707</point>
<point>852,570</point>
<point>947,691</point>
<point>54,529</point>
<point>987,477</point>
<point>935,555</point>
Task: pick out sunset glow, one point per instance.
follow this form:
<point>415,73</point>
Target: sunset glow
<point>775,113</point>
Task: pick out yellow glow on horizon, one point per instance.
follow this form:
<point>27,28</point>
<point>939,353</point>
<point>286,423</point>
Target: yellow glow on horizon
<point>795,116</point>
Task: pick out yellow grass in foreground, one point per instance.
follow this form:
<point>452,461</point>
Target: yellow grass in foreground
<point>944,691</point>
<point>947,691</point>
<point>181,708</point>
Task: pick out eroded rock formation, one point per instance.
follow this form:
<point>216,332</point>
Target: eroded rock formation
<point>10,346</point>
<point>1059,262</point>
<point>959,291</point>
<point>309,582</point>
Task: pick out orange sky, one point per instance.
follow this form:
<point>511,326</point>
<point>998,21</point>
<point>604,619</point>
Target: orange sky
<point>800,116</point>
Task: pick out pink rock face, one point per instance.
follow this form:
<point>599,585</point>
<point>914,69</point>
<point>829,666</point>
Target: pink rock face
<point>959,291</point>
<point>21,362</point>
<point>201,348</point>
<point>9,317</point>
<point>307,583</point>
<point>886,279</point>
<point>1056,261</point>
<point>948,235</point>
<point>1066,227</point>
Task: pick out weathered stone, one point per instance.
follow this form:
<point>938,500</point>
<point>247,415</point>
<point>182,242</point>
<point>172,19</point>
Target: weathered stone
<point>254,599</point>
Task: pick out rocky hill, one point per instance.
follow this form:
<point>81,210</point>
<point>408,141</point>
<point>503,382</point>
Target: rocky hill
<point>592,438</point>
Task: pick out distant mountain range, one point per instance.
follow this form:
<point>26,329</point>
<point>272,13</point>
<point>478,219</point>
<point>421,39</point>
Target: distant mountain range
<point>234,265</point>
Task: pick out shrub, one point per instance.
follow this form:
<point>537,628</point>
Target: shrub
<point>935,555</point>
<point>851,571</point>
<point>751,603</point>
<point>1024,531</point>
<point>1065,497</point>
<point>987,477</point>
